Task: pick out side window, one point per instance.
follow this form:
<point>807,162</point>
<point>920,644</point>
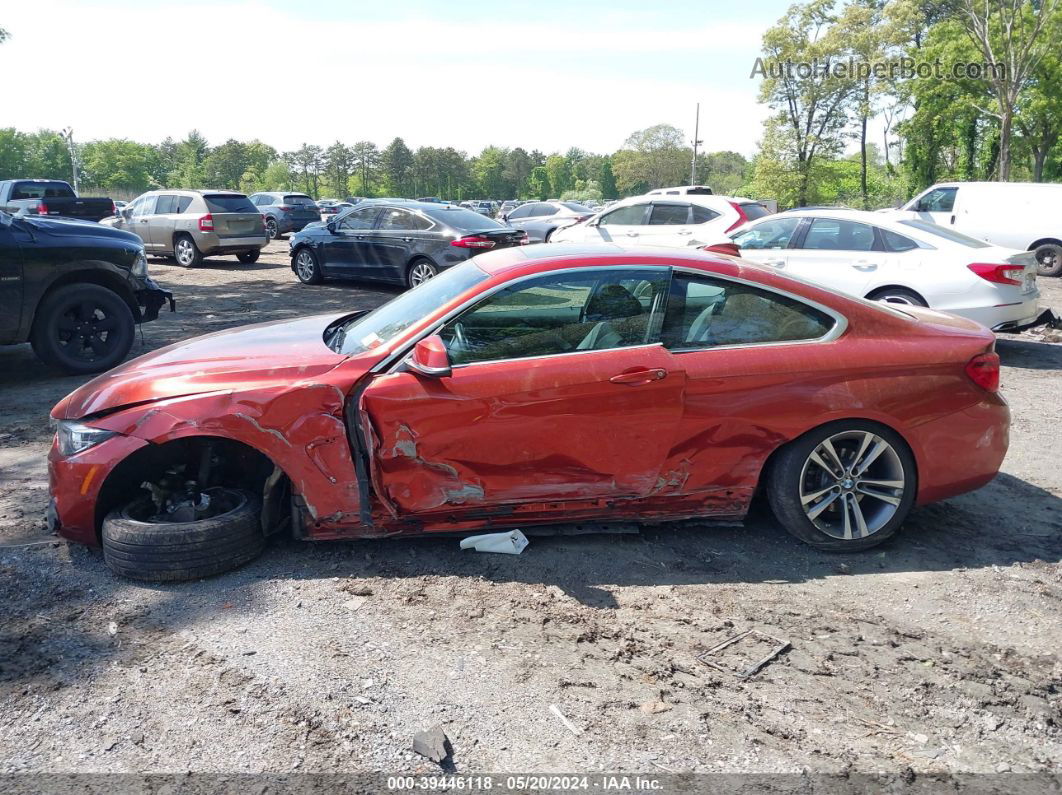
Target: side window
<point>669,214</point>
<point>834,235</point>
<point>702,215</point>
<point>704,313</point>
<point>896,242</point>
<point>419,223</point>
<point>941,200</point>
<point>632,215</point>
<point>145,205</point>
<point>265,200</point>
<point>395,220</point>
<point>523,211</point>
<point>560,313</point>
<point>167,203</point>
<point>544,209</point>
<point>775,233</point>
<point>182,203</point>
<point>359,219</point>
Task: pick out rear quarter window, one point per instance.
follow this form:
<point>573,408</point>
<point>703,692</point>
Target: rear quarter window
<point>754,210</point>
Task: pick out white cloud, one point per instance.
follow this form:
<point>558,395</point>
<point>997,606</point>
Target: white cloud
<point>245,70</point>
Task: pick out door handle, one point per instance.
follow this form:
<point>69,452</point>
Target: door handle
<point>407,239</point>
<point>632,234</point>
<point>775,263</point>
<point>639,377</point>
<point>863,265</point>
<point>684,232</point>
<point>953,220</point>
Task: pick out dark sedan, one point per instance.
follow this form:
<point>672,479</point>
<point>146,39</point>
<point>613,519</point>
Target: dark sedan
<point>407,243</point>
<point>541,219</point>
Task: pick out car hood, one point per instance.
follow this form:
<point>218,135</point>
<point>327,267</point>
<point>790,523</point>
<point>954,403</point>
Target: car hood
<point>236,359</point>
<point>72,227</point>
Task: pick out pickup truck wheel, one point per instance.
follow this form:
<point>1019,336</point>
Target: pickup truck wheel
<point>1049,260</point>
<point>186,252</point>
<point>141,545</point>
<point>83,328</point>
<point>247,257</point>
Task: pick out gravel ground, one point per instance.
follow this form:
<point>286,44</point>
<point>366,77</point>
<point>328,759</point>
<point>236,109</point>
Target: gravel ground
<point>936,652</point>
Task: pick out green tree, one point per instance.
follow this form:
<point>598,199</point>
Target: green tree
<point>396,163</point>
<point>518,167</point>
<point>277,176</point>
<point>538,186</point>
<point>307,162</point>
<point>366,164</point>
<point>188,169</point>
<point>724,171</point>
<point>489,171</point>
<point>118,164</point>
<point>607,180</point>
<point>560,173</point>
<point>810,102</point>
<point>226,164</point>
<point>1010,33</point>
<point>338,165</point>
<point>652,158</point>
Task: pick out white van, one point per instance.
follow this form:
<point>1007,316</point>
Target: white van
<point>1022,215</point>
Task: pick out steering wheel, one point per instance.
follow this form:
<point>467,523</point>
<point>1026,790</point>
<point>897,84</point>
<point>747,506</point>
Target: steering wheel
<point>459,341</point>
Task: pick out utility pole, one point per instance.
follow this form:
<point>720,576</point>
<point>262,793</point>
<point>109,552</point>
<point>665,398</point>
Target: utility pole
<point>696,142</point>
<point>67,135</point>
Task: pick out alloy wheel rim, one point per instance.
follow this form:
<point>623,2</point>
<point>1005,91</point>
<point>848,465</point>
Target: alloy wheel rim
<point>271,228</point>
<point>305,266</point>
<point>184,252</point>
<point>421,272</point>
<point>86,331</point>
<point>1047,258</point>
<point>852,485</point>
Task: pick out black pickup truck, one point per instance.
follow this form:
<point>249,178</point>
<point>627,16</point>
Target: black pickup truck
<point>51,197</point>
<point>74,289</point>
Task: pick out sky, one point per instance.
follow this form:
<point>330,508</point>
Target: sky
<point>543,75</point>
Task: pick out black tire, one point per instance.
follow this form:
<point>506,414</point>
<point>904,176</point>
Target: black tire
<point>271,229</point>
<point>306,266</point>
<point>785,480</point>
<point>898,295</point>
<point>1049,260</point>
<point>417,268</point>
<point>549,234</point>
<point>247,257</point>
<point>186,252</point>
<point>171,552</point>
<point>83,328</point>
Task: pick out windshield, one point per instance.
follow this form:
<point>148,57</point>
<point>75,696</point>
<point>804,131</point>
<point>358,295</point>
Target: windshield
<point>385,323</point>
<point>947,234</point>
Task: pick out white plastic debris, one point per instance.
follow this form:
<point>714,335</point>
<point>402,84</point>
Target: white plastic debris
<point>512,543</point>
<point>556,710</point>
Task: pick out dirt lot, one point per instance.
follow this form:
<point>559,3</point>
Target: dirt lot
<point>937,652</point>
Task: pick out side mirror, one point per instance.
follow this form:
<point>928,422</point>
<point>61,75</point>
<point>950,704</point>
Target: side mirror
<point>331,224</point>
<point>430,358</point>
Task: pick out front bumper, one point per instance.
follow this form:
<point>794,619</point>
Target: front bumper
<point>150,298</point>
<point>75,482</point>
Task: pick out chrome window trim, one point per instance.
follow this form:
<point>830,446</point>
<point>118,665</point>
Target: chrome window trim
<point>840,324</point>
<point>839,327</point>
<point>404,350</point>
<point>554,355</point>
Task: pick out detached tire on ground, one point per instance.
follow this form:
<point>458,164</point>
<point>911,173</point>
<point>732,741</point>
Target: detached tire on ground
<point>845,486</point>
<point>173,551</point>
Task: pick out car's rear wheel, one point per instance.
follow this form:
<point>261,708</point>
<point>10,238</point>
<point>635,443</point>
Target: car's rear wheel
<point>142,544</point>
<point>1049,260</point>
<point>420,270</point>
<point>247,257</point>
<point>307,268</point>
<point>83,328</point>
<point>898,295</point>
<point>846,486</point>
<point>187,252</point>
<point>272,230</point>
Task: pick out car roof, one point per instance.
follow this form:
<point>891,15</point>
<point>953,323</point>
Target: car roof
<point>505,259</point>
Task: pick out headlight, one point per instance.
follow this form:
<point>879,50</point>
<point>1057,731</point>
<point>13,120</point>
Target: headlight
<point>75,437</point>
<point>140,265</point>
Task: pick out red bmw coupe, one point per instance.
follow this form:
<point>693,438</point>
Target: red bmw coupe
<point>528,387</point>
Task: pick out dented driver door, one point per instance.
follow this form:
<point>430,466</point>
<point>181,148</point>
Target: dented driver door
<point>513,425</point>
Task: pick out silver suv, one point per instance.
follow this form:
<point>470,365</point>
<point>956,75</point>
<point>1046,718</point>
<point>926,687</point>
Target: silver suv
<point>191,224</point>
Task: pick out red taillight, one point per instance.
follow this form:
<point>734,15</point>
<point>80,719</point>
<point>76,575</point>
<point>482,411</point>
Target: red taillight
<point>742,218</point>
<point>524,240</point>
<point>983,370</point>
<point>206,223</point>
<point>999,274</point>
<point>473,241</point>
<point>42,209</point>
<point>285,208</point>
<point>580,218</point>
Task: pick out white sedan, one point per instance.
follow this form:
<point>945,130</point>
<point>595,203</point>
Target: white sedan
<point>906,261</point>
<point>680,221</point>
